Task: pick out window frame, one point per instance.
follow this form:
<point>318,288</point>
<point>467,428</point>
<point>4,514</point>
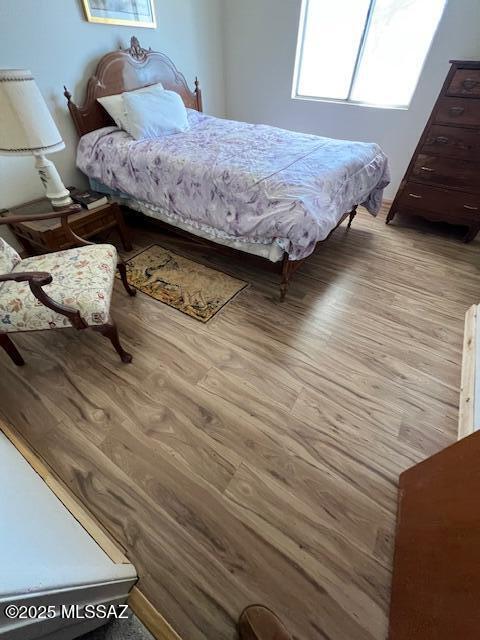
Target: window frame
<point>361,49</point>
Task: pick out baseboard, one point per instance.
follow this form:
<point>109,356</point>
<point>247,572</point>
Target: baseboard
<point>151,619</point>
<point>142,608</point>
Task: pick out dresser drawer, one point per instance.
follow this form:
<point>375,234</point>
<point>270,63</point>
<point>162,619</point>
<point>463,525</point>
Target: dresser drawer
<point>465,82</point>
<point>450,205</point>
<point>454,142</point>
<point>458,111</point>
<point>448,172</point>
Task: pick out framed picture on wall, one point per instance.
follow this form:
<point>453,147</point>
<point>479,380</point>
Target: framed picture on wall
<point>132,13</point>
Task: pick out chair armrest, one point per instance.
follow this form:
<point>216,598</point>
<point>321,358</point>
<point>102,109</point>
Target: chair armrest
<point>63,214</point>
<point>60,213</point>
<point>38,279</point>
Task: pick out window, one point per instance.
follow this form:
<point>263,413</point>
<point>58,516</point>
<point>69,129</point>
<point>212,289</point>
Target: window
<point>364,51</point>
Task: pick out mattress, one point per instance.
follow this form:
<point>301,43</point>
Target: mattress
<point>251,184</point>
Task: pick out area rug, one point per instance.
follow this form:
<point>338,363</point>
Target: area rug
<point>188,286</point>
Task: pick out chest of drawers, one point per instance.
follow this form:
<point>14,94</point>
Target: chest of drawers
<point>442,181</point>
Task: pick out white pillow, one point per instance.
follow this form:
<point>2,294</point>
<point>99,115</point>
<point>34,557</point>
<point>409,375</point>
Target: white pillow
<point>152,114</point>
<point>115,107</point>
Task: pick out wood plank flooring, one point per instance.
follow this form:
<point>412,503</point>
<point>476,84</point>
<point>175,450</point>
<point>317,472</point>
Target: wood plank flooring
<point>256,458</point>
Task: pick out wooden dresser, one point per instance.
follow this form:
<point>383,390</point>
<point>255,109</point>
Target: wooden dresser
<point>442,181</point>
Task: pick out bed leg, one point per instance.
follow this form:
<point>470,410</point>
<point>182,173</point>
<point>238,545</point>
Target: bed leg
<point>286,269</point>
<point>353,213</point>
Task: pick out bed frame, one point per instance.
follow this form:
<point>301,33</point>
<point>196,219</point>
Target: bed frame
<point>134,68</point>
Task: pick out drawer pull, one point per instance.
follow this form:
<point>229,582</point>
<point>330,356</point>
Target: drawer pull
<point>469,207</point>
<point>469,84</point>
<point>429,169</point>
<point>456,111</point>
<point>441,140</point>
<point>414,195</point>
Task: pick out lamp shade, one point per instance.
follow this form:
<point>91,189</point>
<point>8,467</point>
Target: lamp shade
<point>26,125</point>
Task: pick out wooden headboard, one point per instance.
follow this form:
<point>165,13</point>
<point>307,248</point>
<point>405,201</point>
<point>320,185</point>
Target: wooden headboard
<point>125,70</point>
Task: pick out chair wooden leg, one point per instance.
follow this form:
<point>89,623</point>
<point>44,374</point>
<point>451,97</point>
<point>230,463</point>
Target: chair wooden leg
<point>110,331</point>
<point>122,269</point>
<point>11,349</point>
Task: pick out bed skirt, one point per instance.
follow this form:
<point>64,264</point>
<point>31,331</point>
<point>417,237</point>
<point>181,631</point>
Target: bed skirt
<point>273,251</point>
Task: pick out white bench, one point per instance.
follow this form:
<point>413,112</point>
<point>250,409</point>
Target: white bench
<point>46,556</point>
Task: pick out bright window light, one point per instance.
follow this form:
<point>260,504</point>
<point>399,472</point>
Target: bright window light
<point>364,51</point>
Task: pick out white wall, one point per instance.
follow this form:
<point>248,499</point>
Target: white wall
<point>53,39</point>
<point>260,44</point>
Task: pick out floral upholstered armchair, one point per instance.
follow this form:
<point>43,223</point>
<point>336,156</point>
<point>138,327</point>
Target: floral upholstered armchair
<point>71,288</point>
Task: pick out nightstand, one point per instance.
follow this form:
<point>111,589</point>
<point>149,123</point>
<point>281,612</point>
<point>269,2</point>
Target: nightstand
<point>47,235</point>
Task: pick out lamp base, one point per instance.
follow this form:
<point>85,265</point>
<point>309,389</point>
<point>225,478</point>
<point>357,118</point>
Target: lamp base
<point>55,190</point>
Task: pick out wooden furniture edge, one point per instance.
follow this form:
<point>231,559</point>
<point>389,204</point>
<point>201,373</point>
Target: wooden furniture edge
<point>142,608</point>
<point>150,617</point>
<point>467,386</point>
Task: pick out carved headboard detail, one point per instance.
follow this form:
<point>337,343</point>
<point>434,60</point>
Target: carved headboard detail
<point>125,70</point>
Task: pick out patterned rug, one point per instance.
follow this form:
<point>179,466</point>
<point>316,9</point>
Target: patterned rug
<point>188,286</point>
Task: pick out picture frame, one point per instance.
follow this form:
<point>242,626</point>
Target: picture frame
<point>129,13</point>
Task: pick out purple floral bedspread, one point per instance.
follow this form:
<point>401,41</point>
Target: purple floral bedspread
<point>254,182</point>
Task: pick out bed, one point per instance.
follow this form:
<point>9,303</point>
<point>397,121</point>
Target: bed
<point>259,189</point>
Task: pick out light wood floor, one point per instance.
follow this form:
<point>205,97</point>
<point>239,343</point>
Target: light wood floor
<point>255,459</point>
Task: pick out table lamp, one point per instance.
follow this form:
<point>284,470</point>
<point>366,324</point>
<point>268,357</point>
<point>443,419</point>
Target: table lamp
<point>27,128</point>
